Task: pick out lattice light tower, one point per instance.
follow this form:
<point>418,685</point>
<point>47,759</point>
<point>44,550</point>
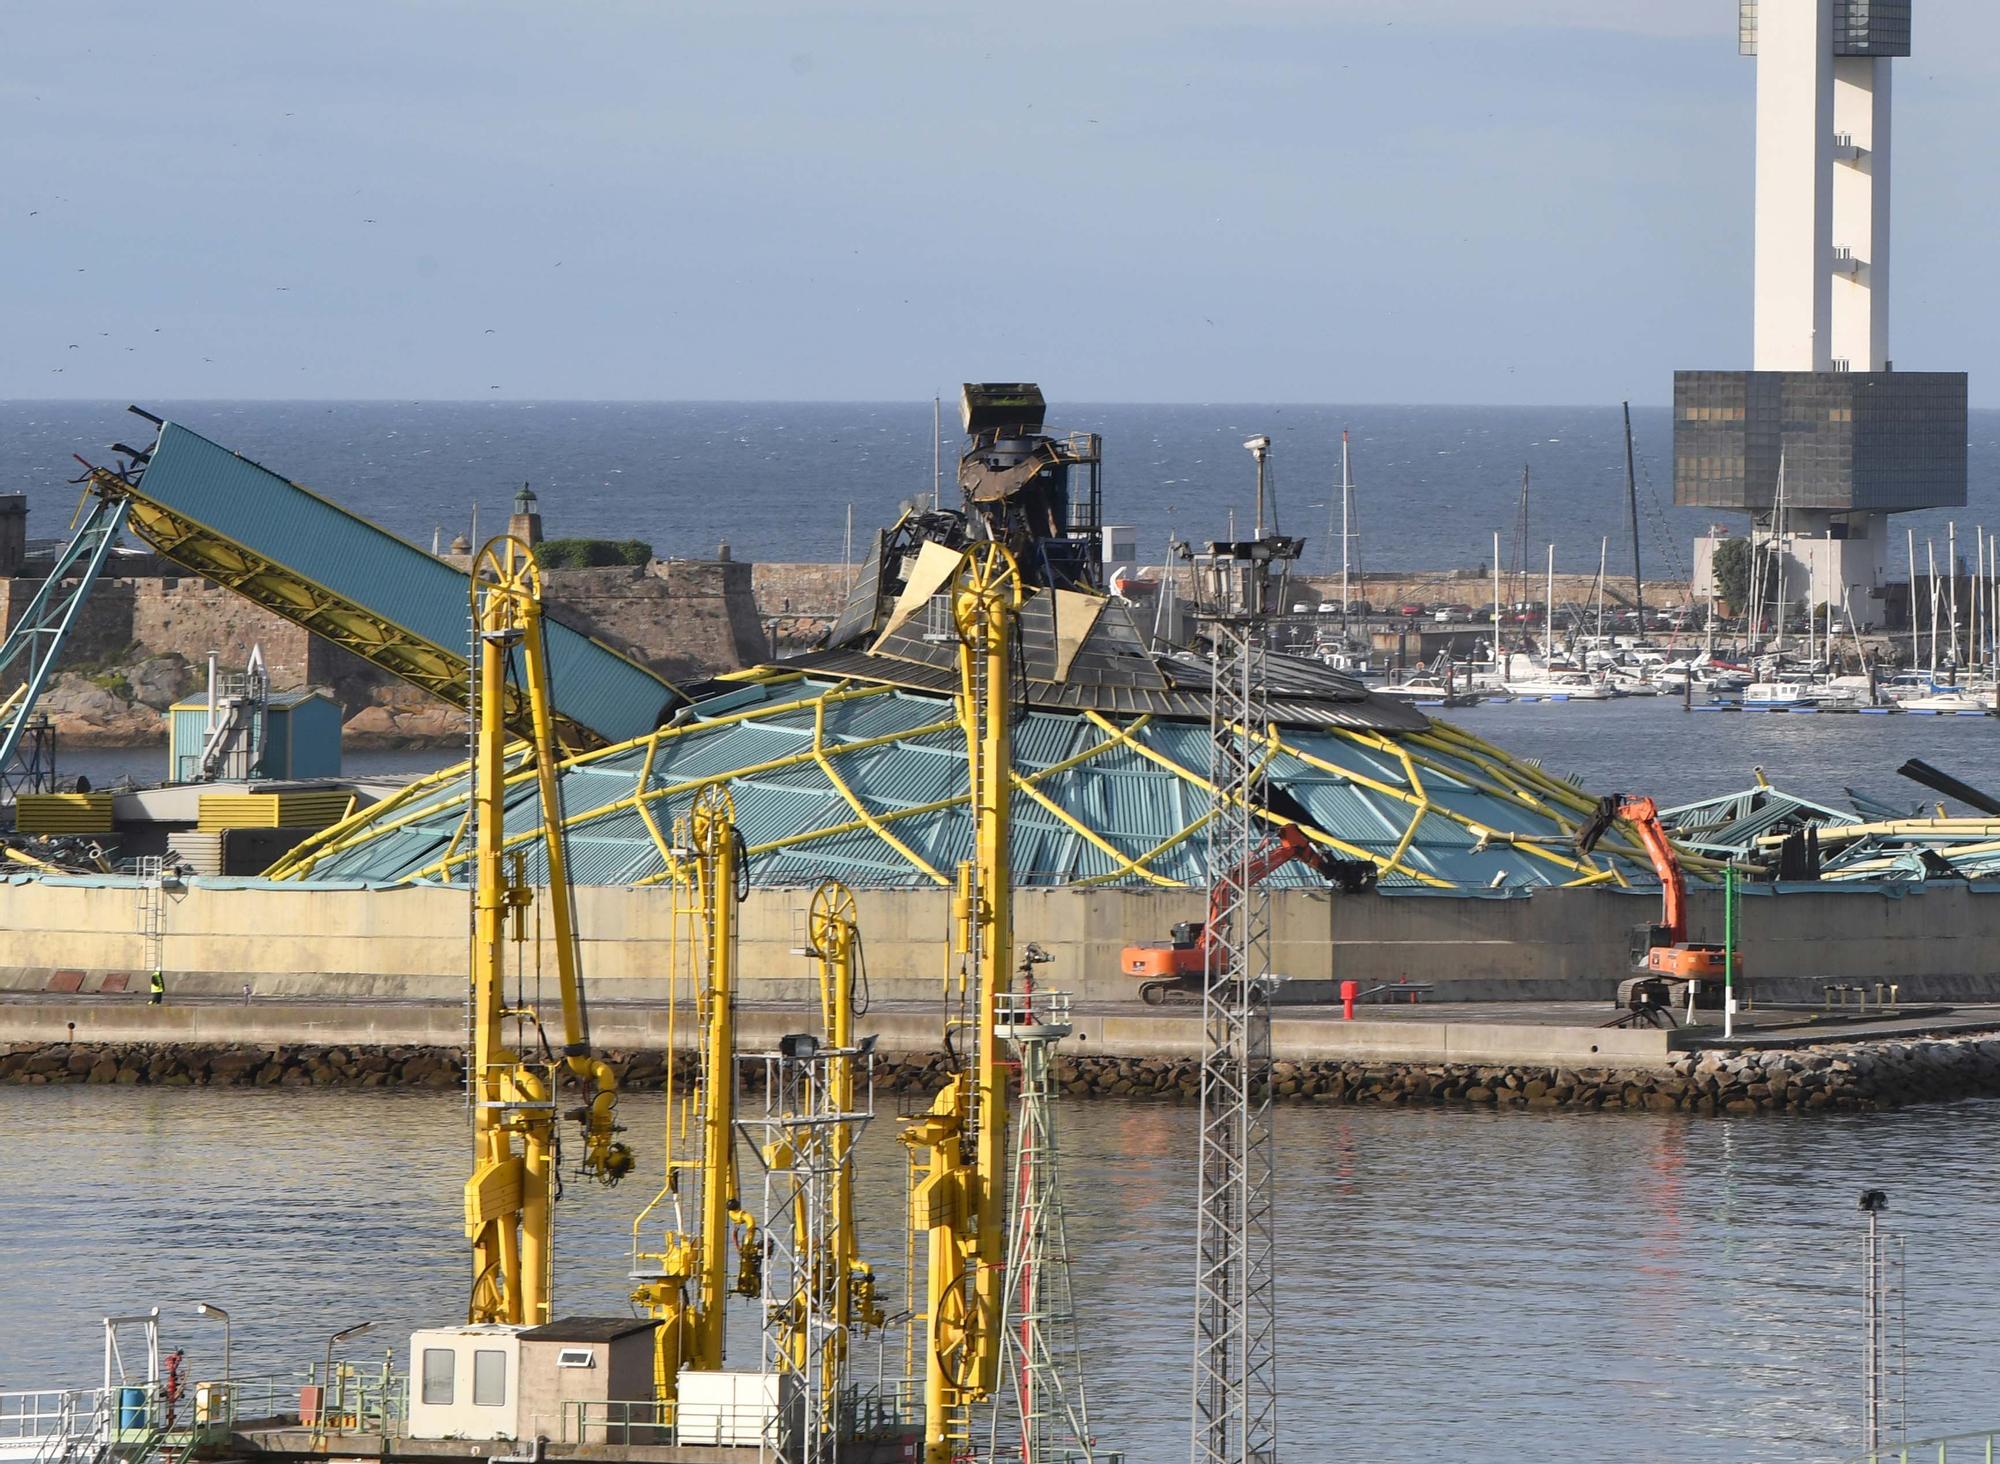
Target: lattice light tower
<point>814,1111</point>
<point>1235,1415</point>
<point>1040,1415</point>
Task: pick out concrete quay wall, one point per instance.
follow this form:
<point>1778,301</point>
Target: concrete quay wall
<point>915,1029</point>
<point>1840,1077</point>
<point>305,942</point>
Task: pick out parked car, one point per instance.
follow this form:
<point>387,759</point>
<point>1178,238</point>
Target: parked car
<point>1412,609</point>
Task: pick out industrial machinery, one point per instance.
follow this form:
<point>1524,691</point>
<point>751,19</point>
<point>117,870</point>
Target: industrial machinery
<point>36,642</point>
<point>1039,495</point>
<point>958,1147</point>
<point>512,1078</point>
<point>1666,964</point>
<point>1181,967</point>
<point>1234,1419</point>
<point>686,1282</point>
<point>819,1093</point>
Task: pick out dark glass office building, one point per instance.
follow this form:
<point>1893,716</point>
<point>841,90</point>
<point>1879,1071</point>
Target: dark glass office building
<point>1866,442</point>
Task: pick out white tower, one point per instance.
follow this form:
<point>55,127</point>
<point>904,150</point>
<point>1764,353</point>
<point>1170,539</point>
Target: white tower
<point>1858,440</point>
<point>1822,271</point>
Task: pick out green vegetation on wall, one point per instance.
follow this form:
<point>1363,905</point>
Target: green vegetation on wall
<point>591,553</point>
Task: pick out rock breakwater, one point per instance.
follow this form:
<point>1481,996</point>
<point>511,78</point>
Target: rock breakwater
<point>1836,1076</point>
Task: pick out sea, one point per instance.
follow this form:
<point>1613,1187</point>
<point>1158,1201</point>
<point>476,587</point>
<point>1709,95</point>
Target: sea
<point>776,480</point>
<point>1462,1285</point>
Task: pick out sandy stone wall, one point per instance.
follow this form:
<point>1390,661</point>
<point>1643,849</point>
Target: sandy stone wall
<point>684,618</point>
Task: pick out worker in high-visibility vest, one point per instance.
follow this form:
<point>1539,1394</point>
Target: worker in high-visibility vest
<point>158,987</point>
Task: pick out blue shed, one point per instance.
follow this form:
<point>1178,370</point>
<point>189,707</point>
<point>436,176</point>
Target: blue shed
<point>301,737</point>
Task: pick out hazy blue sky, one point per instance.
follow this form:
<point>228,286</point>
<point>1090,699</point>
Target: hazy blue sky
<point>1299,200</point>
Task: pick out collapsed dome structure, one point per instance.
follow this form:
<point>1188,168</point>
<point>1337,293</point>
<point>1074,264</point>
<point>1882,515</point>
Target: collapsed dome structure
<point>850,761</point>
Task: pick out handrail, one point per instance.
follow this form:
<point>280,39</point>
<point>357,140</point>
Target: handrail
<point>1983,1447</point>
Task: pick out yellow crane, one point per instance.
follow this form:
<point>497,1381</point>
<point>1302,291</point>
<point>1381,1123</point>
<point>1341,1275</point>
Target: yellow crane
<point>834,941</point>
<point>687,1280</point>
<point>959,1145</point>
<point>509,1199</point>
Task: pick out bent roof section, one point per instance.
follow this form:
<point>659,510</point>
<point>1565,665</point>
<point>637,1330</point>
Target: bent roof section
<point>867,783</point>
<point>320,566</point>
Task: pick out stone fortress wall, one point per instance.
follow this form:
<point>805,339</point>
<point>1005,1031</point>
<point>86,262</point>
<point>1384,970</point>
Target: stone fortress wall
<point>143,637</point>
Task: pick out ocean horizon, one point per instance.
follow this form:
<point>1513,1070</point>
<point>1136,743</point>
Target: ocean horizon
<point>775,480</point>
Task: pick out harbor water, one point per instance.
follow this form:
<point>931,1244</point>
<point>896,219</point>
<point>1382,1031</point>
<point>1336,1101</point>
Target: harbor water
<point>1456,1285</point>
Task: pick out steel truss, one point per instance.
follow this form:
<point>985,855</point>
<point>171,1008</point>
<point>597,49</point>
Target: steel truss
<point>1235,1413</point>
<point>805,1140</point>
<point>1040,1408</point>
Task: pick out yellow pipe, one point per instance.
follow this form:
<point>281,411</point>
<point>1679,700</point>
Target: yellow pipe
<point>499,1197</point>
<point>341,837</point>
<point>442,867</point>
<point>1126,863</point>
<point>875,825</point>
<point>1158,849</point>
<point>984,610</point>
<point>714,825</point>
<point>1353,850</point>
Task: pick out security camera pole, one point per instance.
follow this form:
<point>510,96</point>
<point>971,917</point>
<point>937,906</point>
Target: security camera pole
<point>1872,1203</point>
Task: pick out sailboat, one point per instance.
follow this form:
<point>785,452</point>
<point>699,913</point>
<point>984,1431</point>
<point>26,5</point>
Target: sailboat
<point>1346,652</point>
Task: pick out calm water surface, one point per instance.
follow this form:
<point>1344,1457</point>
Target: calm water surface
<point>1459,1285</point>
<point>776,478</point>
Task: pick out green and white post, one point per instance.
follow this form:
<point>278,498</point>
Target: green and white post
<point>1728,951</point>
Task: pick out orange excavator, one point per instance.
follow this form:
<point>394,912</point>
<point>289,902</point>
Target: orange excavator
<point>1664,960</point>
<point>1178,968</point>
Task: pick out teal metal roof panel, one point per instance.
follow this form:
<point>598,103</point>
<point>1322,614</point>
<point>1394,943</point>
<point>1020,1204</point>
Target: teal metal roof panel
<point>1122,796</point>
<point>343,553</point>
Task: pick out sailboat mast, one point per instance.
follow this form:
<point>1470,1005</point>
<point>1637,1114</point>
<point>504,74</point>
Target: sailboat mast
<point>1499,656</point>
<point>1709,628</point>
<point>1930,557</point>
<point>1346,529</point>
<point>1951,580</point>
<point>1549,650</point>
<point>1780,557</point>
<point>1632,503</point>
<point>1603,549</point>
<point>1910,551</point>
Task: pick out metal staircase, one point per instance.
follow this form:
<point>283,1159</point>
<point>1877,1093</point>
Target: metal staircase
<point>36,642</point>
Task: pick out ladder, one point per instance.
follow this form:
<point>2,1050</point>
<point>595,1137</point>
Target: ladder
<point>152,912</point>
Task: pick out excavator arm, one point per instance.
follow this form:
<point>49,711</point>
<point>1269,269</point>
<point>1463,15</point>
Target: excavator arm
<point>1643,814</point>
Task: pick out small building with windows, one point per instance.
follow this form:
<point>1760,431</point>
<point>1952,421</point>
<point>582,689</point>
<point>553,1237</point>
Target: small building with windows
<point>589,1380</point>
<point>465,1382</point>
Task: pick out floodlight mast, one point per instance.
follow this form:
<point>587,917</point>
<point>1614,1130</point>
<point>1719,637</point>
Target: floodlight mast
<point>1235,1405</point>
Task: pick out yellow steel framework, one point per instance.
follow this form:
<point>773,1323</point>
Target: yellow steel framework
<point>687,1278</point>
<point>846,1283</point>
<point>509,1198</point>
<point>284,590</point>
<point>959,1145</point>
<point>1492,772</point>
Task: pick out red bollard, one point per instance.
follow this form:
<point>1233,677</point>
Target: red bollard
<point>1350,991</point>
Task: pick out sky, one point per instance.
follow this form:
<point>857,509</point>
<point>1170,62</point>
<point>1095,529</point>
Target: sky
<point>1411,201</point>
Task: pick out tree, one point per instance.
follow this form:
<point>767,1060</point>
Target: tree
<point>1731,570</point>
<point>591,553</point>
